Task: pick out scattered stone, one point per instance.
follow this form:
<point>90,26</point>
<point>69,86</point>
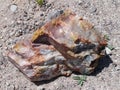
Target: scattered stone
<point>1,59</point>
<point>54,14</point>
<point>9,43</point>
<point>108,51</point>
<point>41,14</point>
<point>40,88</point>
<point>13,7</point>
<point>12,33</point>
<point>4,26</point>
<point>48,5</point>
<point>80,2</point>
<point>1,37</point>
<point>1,63</point>
<point>117,67</point>
<point>86,5</point>
<point>61,11</point>
<point>93,9</point>
<point>25,14</point>
<point>16,87</point>
<point>0,77</point>
<point>6,48</point>
<point>8,84</point>
<point>0,45</point>
<point>114,64</point>
<point>19,33</point>
<point>107,22</point>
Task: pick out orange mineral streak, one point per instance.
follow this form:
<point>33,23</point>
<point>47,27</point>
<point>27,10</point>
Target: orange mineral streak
<point>65,30</point>
<point>31,54</point>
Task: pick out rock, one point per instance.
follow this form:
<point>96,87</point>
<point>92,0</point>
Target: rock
<point>12,33</point>
<point>8,84</point>
<point>108,51</point>
<point>1,37</point>
<point>13,7</point>
<point>19,33</point>
<point>117,67</point>
<point>1,59</point>
<point>1,62</point>
<point>40,88</point>
<point>80,2</point>
<point>0,45</point>
<point>25,14</point>
<point>54,14</point>
<point>41,14</point>
<point>93,9</point>
<point>6,48</point>
<point>87,4</point>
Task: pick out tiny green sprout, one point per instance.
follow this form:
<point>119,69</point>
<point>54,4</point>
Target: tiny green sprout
<point>40,2</point>
<point>80,80</point>
<point>110,47</point>
<point>106,37</point>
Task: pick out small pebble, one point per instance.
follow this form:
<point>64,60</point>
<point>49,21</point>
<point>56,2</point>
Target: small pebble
<point>40,88</point>
<point>80,2</point>
<point>93,9</point>
<point>1,59</point>
<point>108,51</point>
<point>1,37</point>
<point>0,45</point>
<point>41,14</point>
<point>13,8</point>
<point>117,67</point>
<point>4,26</point>
<point>8,84</point>
<point>18,33</point>
<point>1,63</point>
<point>54,14</point>
<point>48,5</point>
<point>86,5</point>
<point>12,33</point>
<point>5,48</point>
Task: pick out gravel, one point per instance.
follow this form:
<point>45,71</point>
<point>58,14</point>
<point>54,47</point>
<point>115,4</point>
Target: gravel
<point>19,19</point>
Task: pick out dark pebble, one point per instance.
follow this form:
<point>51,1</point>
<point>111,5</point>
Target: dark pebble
<point>54,14</point>
<point>41,14</point>
<point>1,59</point>
<point>0,45</point>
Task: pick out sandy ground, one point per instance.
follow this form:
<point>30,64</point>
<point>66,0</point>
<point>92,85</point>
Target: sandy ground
<point>20,18</point>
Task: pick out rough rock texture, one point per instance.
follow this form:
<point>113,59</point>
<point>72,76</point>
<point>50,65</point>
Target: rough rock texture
<point>39,63</point>
<point>75,38</point>
<point>28,16</point>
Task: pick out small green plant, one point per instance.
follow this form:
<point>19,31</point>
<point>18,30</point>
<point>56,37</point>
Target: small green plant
<point>110,47</point>
<point>40,2</point>
<point>80,80</point>
<point>106,37</point>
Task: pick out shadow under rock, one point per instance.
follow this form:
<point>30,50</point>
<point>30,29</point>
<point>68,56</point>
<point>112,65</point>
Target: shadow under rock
<point>45,81</point>
<point>103,62</point>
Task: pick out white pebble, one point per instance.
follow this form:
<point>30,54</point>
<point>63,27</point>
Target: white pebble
<point>13,8</point>
<point>108,51</point>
